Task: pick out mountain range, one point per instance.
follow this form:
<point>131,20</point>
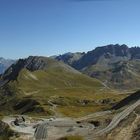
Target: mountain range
<point>100,88</point>
<point>36,80</point>
<point>117,66</point>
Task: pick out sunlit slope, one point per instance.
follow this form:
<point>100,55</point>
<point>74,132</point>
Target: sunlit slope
<point>42,85</point>
<point>50,77</point>
<point>54,80</point>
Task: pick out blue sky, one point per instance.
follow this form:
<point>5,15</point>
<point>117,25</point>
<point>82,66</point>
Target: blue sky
<point>50,27</point>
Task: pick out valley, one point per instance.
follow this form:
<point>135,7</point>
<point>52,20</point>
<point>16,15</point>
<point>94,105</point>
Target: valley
<point>75,96</point>
<point>69,70</point>
<point>55,128</point>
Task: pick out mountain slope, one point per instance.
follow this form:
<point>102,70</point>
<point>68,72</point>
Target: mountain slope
<point>43,85</point>
<point>129,127</point>
<point>69,58</point>
<point>116,66</point>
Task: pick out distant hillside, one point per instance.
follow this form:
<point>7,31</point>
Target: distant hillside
<point>44,85</point>
<point>70,58</point>
<point>117,66</point>
<point>5,63</point>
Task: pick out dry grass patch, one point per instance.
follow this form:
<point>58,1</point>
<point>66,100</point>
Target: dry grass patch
<point>72,138</point>
<point>77,111</point>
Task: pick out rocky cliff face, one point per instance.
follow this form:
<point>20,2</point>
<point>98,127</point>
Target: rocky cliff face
<point>114,53</point>
<point>33,63</point>
<point>111,52</point>
<point>115,65</point>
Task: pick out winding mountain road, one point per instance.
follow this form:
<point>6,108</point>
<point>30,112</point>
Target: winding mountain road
<point>92,134</point>
<point>42,130</point>
<point>69,126</point>
<point>115,121</point>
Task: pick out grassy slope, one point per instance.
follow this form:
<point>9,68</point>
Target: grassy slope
<point>72,138</point>
<point>60,84</point>
<point>44,85</point>
<point>123,75</point>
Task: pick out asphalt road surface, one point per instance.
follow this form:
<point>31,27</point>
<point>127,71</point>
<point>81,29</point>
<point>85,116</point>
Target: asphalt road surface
<point>41,132</point>
<point>115,121</point>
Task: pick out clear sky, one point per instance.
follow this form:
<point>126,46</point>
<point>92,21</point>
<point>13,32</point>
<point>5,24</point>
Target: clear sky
<point>50,27</point>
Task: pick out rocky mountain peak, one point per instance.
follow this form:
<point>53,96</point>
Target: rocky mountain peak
<point>31,63</point>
